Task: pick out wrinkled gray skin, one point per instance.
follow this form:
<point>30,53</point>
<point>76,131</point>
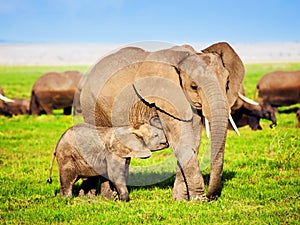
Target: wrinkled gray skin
<point>54,90</point>
<point>84,151</point>
<point>245,114</point>
<point>181,86</point>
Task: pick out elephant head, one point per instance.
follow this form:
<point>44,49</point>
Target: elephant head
<point>252,111</point>
<point>228,69</point>
<point>175,82</point>
<point>5,99</point>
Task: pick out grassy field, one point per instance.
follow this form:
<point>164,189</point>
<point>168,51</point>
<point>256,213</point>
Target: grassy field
<point>261,179</point>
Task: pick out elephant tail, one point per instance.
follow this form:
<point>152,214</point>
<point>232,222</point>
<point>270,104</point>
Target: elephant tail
<point>51,166</point>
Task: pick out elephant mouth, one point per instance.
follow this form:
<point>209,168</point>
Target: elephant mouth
<point>139,154</point>
<point>161,146</point>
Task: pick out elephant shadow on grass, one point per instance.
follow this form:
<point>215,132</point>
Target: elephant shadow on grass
<point>169,180</point>
<point>150,180</point>
<point>75,190</point>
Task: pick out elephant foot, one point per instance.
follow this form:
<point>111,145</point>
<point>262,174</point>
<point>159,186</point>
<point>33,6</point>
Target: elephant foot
<point>211,198</point>
<point>180,193</point>
<point>189,183</point>
<point>180,190</point>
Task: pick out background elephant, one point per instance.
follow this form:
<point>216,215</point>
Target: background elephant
<point>279,88</point>
<point>19,106</point>
<point>54,91</point>
<point>86,151</point>
<point>15,106</point>
<point>298,117</point>
<point>181,87</point>
<point>247,112</point>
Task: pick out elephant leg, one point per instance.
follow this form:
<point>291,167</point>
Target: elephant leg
<point>122,192</point>
<point>117,172</point>
<point>107,189</point>
<point>68,177</point>
<point>34,108</point>
<point>48,110</point>
<point>189,183</point>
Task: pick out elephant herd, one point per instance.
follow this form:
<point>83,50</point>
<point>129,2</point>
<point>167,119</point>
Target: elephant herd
<point>135,101</point>
<point>51,91</point>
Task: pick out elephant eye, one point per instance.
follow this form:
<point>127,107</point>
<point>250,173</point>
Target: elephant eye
<point>194,86</point>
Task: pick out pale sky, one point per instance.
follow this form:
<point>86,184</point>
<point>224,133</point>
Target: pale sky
<point>125,21</point>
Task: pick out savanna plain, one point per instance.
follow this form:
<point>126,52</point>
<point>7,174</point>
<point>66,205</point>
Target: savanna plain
<point>261,178</point>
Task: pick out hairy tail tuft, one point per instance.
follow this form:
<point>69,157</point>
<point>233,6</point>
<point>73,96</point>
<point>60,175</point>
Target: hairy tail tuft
<point>49,180</point>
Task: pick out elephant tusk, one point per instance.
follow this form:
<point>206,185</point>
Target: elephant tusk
<point>207,128</point>
<point>248,100</point>
<point>234,125</point>
<point>3,98</point>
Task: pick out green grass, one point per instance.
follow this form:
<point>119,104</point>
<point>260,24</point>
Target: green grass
<point>261,179</point>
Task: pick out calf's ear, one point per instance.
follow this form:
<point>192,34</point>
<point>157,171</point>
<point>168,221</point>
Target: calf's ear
<point>142,132</point>
<point>129,143</point>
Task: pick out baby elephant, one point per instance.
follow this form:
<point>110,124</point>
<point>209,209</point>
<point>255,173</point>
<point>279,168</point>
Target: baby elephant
<point>86,151</point>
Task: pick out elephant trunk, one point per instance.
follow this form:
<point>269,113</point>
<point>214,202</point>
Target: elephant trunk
<point>218,125</point>
<point>216,110</point>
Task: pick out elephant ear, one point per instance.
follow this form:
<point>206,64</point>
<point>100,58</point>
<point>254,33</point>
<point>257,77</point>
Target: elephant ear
<point>159,84</point>
<point>128,142</point>
<point>233,64</point>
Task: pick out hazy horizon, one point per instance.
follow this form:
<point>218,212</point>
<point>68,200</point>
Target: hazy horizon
<point>90,53</point>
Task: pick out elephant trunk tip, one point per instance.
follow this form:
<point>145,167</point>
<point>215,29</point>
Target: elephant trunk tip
<point>49,180</point>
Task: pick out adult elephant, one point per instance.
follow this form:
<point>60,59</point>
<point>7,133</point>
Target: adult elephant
<point>18,106</point>
<point>127,87</point>
<point>15,106</point>
<point>279,88</point>
<point>54,90</point>
<point>248,112</point>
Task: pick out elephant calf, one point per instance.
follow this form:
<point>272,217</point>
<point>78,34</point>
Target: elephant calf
<point>85,151</point>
